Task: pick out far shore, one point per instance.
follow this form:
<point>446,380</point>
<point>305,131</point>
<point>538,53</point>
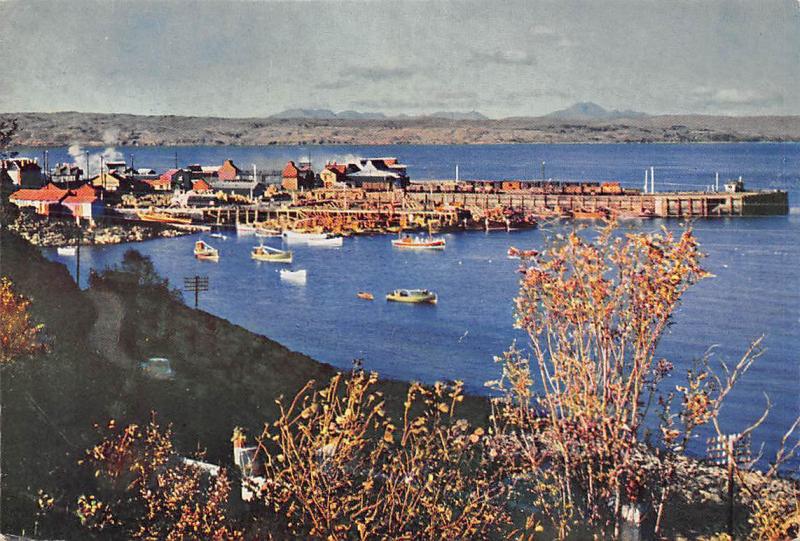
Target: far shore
<point>101,129</point>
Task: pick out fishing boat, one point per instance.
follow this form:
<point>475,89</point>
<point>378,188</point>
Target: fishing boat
<point>295,277</point>
<point>162,217</point>
<point>267,233</point>
<point>413,296</point>
<point>203,250</point>
<point>67,250</point>
<point>431,243</point>
<point>366,295</point>
<point>272,255</point>
<point>245,229</point>
<point>300,236</point>
<point>327,241</point>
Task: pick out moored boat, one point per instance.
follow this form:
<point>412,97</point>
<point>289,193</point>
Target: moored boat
<point>269,254</point>
<point>245,229</point>
<point>327,241</point>
<point>301,236</point>
<point>296,277</point>
<point>267,233</point>
<point>163,218</point>
<point>413,296</point>
<point>203,250</point>
<point>516,253</point>
<point>581,214</point>
<point>431,243</point>
<point>67,250</point>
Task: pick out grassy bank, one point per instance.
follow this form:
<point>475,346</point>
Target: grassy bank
<point>226,376</point>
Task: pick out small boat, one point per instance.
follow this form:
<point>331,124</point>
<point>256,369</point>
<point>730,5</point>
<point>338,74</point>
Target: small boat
<point>163,218</point>
<point>589,214</point>
<point>327,241</point>
<point>366,295</point>
<point>295,277</point>
<point>300,236</point>
<point>218,236</point>
<point>67,250</point>
<point>272,255</point>
<point>245,229</point>
<point>414,296</point>
<point>431,243</point>
<point>267,233</point>
<point>516,253</point>
<point>203,250</point>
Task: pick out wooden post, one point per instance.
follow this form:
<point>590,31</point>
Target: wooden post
<point>731,460</point>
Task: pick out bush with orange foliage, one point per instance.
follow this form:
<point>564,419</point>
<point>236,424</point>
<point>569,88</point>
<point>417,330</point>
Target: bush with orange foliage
<point>150,492</point>
<point>595,309</point>
<point>19,336</point>
<point>337,468</point>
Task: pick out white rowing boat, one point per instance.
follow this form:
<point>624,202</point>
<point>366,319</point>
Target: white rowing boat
<point>295,277</point>
<point>327,241</point>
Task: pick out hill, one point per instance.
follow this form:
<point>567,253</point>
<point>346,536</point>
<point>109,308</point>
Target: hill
<point>52,129</point>
<point>591,111</point>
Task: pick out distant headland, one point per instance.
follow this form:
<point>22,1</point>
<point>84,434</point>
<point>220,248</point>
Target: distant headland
<point>584,122</point>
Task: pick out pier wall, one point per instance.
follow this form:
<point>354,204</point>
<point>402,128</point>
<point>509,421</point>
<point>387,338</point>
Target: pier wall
<point>663,205</point>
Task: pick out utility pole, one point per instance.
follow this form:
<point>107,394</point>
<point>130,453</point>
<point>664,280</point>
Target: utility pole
<point>176,159</point>
<point>542,170</point>
<point>197,284</point>
<point>78,257</point>
<point>88,177</point>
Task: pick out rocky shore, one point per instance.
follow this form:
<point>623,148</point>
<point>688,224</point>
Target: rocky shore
<point>41,231</point>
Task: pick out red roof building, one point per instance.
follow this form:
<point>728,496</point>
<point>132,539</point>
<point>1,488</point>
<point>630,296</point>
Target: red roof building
<point>297,178</point>
<point>228,171</point>
<point>82,202</point>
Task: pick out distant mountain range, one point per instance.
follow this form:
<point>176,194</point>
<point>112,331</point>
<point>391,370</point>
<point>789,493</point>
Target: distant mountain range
<point>327,114</point>
<point>587,110</point>
<point>583,123</point>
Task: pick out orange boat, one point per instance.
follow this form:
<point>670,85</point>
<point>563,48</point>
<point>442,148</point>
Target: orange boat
<point>420,244</point>
<point>590,214</point>
<point>366,295</point>
<point>162,218</point>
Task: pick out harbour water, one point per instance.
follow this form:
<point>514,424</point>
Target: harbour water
<point>756,289</point>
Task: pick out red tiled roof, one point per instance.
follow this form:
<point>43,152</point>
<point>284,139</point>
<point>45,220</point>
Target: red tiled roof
<point>51,192</point>
<point>201,186</point>
<point>167,175</point>
<point>84,194</point>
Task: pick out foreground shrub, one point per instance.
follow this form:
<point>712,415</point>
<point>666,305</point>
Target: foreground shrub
<point>149,492</point>
<point>570,420</point>
<point>336,467</point>
<point>19,336</point>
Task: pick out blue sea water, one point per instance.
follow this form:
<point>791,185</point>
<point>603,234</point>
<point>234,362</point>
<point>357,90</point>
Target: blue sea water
<point>756,289</point>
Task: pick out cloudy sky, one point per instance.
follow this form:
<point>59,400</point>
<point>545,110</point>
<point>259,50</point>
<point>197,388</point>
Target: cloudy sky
<point>502,58</point>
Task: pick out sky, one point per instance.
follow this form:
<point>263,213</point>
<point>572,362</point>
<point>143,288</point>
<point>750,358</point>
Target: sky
<point>501,58</point>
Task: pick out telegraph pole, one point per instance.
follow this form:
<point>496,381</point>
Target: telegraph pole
<point>197,284</point>
<point>78,257</point>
